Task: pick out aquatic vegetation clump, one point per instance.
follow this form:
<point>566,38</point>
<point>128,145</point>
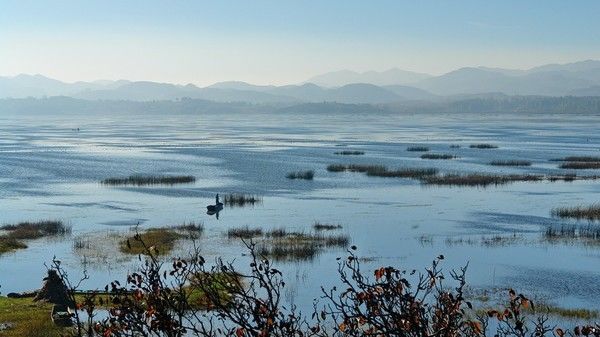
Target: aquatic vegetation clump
<point>141,180</point>
<point>306,175</point>
<point>580,165</point>
<point>241,200</point>
<point>417,149</point>
<point>414,173</point>
<point>510,163</point>
<point>298,246</point>
<point>350,153</point>
<point>589,235</point>
<point>483,146</point>
<point>12,236</point>
<point>438,156</point>
<point>383,171</point>
<point>244,233</point>
<point>591,212</point>
<point>319,226</point>
<point>579,159</point>
<point>477,179</point>
<point>34,230</point>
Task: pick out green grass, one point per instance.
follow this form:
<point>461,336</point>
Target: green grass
<point>580,165</point>
<point>417,149</point>
<point>510,163</point>
<point>438,156</point>
<point>583,314</point>
<point>159,241</point>
<point>591,212</point>
<point>140,180</point>
<point>350,153</point>
<point>28,318</point>
<point>483,146</point>
<point>306,175</point>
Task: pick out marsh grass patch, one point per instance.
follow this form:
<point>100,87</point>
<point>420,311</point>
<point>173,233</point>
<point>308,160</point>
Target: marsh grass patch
<point>304,175</point>
<point>510,163</point>
<point>144,180</point>
<point>438,156</point>
<point>483,146</point>
<point>350,153</point>
<point>591,212</point>
<point>417,149</point>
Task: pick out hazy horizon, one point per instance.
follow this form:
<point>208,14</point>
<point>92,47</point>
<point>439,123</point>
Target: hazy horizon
<point>286,42</point>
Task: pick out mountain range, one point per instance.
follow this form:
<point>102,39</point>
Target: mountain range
<point>391,86</point>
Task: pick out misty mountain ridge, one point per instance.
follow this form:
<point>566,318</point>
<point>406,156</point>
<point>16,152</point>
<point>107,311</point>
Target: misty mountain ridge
<point>577,79</point>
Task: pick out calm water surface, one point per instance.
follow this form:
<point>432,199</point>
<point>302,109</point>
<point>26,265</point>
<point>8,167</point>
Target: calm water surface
<point>49,169</point>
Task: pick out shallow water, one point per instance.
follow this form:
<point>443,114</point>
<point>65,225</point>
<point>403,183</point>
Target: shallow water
<point>49,169</point>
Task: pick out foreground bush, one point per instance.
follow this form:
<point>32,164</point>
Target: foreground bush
<point>163,300</point>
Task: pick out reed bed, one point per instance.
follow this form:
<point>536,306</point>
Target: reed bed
<point>579,159</point>
<point>417,149</point>
<point>140,180</point>
<point>414,173</point>
<point>319,226</point>
<point>477,179</point>
<point>483,146</point>
<point>34,230</point>
<point>438,156</point>
<point>510,163</point>
<point>244,233</point>
<point>588,234</point>
<point>580,165</point>
<point>591,212</point>
<point>350,153</point>
<point>306,175</point>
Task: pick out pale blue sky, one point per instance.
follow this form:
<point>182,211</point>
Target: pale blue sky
<point>279,42</point>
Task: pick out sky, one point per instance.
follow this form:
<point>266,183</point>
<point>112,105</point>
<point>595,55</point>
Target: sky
<point>283,42</point>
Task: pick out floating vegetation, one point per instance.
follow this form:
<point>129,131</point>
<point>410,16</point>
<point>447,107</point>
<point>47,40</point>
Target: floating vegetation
<point>477,179</point>
<point>583,314</point>
<point>306,175</point>
<point>155,241</point>
<point>15,234</point>
<point>455,146</point>
<point>140,180</point>
<point>318,226</point>
<point>417,149</point>
<point>244,233</point>
<point>510,163</point>
<point>578,212</point>
<point>241,200</point>
<point>483,146</point>
<point>580,165</point>
<point>438,156</point>
<point>350,153</point>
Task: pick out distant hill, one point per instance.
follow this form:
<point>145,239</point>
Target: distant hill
<point>571,79</point>
<point>388,77</point>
